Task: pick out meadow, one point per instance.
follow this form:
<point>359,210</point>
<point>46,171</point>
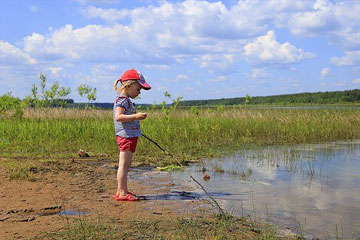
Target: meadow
<point>189,134</point>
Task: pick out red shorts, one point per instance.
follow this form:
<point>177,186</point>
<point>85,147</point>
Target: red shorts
<point>126,143</point>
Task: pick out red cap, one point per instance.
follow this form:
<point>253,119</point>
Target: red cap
<point>132,74</point>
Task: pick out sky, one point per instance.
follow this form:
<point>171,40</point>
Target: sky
<point>192,49</point>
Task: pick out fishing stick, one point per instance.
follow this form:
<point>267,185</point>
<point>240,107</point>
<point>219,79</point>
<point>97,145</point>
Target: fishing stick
<point>162,149</point>
<point>220,209</point>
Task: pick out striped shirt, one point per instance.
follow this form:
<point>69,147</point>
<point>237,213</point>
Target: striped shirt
<point>126,129</point>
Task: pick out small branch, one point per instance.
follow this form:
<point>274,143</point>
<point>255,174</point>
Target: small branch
<point>216,203</point>
<point>162,149</point>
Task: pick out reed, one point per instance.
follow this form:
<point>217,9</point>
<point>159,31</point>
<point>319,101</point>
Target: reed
<point>60,133</point>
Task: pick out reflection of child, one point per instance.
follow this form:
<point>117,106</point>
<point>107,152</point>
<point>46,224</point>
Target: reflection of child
<point>127,127</point>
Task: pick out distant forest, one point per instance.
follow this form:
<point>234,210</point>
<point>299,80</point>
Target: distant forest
<point>336,97</point>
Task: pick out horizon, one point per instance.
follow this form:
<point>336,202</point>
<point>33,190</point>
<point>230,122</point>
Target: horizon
<point>199,50</point>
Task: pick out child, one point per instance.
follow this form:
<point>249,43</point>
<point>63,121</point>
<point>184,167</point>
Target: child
<point>127,127</point>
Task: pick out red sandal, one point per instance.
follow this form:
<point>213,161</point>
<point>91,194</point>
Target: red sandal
<point>128,197</point>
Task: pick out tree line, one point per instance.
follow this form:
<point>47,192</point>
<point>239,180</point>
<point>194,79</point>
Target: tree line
<point>335,97</point>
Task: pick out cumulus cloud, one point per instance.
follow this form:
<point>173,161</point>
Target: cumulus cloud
<point>356,80</point>
<point>109,15</point>
<point>210,33</point>
<point>166,32</point>
<point>324,72</point>
<point>266,50</point>
<point>94,43</point>
<point>350,59</point>
<point>10,54</point>
<point>217,62</point>
<point>338,21</point>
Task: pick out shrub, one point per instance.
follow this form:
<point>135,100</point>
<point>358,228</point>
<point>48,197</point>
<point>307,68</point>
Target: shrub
<point>12,106</point>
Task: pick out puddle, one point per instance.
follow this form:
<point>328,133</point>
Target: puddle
<point>72,213</point>
<point>312,189</point>
<point>57,210</point>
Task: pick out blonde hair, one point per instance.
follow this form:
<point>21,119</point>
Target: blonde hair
<point>123,85</point>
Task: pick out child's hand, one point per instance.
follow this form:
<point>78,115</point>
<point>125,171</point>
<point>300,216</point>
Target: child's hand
<point>140,116</point>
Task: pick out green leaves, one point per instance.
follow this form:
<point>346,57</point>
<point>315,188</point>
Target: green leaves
<point>11,106</point>
<point>55,96</point>
<point>88,92</point>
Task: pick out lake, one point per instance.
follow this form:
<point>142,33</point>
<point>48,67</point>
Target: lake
<point>312,189</point>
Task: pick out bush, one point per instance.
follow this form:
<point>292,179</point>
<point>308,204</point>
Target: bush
<point>12,106</point>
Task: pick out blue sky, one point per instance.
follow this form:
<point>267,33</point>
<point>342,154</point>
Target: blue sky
<point>194,49</point>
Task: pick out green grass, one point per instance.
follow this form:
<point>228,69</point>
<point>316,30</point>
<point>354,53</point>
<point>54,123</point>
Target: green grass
<point>194,227</point>
<point>187,134</point>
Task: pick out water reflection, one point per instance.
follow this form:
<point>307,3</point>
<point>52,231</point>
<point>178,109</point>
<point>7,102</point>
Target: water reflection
<point>313,189</point>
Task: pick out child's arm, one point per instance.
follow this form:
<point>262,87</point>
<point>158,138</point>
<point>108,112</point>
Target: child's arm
<point>121,117</point>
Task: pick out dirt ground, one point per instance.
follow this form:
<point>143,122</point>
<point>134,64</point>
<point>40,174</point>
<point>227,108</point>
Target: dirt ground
<point>62,189</point>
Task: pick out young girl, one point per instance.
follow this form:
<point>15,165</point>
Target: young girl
<point>127,127</point>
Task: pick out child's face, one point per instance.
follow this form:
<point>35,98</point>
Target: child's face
<point>134,90</point>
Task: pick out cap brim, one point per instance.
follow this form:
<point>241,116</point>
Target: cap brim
<point>143,83</point>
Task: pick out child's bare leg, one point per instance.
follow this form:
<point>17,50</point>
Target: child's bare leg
<point>125,159</point>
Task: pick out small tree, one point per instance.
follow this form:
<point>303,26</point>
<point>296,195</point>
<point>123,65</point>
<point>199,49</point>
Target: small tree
<point>50,97</point>
<point>34,97</point>
<point>43,86</point>
<point>88,92</point>
<point>63,93</point>
<point>247,99</point>
<point>154,106</point>
<point>173,106</point>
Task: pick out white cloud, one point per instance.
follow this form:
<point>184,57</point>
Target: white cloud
<point>324,72</point>
<point>350,59</point>
<point>356,80</point>
<point>217,62</point>
<point>266,50</point>
<point>109,15</point>
<point>10,54</point>
<point>161,67</point>
<point>181,77</point>
<point>54,70</point>
<point>221,78</point>
<point>94,43</point>
<point>337,21</point>
<point>210,33</point>
<point>257,73</point>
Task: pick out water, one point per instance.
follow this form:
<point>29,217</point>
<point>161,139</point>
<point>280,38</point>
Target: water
<point>312,189</point>
<point>72,213</point>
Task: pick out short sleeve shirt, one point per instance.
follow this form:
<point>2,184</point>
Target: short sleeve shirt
<point>126,129</point>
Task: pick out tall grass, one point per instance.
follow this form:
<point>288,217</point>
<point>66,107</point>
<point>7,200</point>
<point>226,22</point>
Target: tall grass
<point>187,134</point>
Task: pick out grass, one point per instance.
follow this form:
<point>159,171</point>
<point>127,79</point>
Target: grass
<point>60,133</point>
<point>194,227</point>
<point>23,170</point>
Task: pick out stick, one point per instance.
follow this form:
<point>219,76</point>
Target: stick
<point>220,209</point>
<point>162,149</point>
<point>157,145</point>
